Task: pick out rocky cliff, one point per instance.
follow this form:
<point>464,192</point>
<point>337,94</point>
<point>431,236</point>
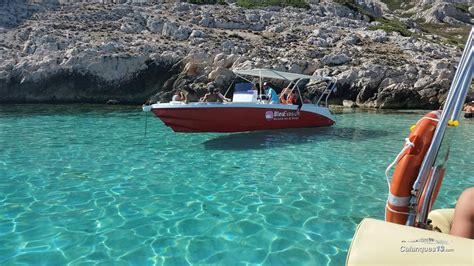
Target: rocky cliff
<point>384,55</point>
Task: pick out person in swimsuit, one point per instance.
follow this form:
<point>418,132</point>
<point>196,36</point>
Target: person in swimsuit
<point>178,96</point>
<point>463,221</point>
<point>469,110</point>
<point>189,94</point>
<point>284,95</point>
<point>213,95</point>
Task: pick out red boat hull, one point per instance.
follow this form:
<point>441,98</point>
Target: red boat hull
<point>238,119</point>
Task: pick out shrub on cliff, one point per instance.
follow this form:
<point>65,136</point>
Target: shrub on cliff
<point>264,3</point>
<point>207,2</point>
<point>352,5</point>
<point>390,25</point>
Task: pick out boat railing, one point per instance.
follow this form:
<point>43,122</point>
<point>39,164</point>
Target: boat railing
<point>330,88</point>
<point>293,79</point>
<point>436,156</point>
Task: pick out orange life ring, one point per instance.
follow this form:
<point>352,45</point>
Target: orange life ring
<point>408,166</point>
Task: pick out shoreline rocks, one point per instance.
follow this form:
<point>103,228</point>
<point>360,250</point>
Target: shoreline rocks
<point>82,52</point>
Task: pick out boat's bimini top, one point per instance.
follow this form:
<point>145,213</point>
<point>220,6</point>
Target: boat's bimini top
<point>274,74</point>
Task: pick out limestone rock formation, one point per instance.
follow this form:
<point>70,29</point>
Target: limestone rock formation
<point>447,13</point>
<point>95,51</point>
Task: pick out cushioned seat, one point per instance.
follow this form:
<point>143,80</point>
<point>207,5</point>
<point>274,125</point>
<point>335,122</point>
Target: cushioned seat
<point>382,243</point>
<point>442,220</point>
<point>243,93</point>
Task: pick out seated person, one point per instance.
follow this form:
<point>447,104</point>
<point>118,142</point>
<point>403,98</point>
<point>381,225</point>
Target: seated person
<point>469,110</point>
<point>271,93</point>
<point>256,86</point>
<point>178,96</point>
<point>213,95</point>
<point>284,95</point>
<point>189,94</point>
<point>295,99</point>
<point>463,221</point>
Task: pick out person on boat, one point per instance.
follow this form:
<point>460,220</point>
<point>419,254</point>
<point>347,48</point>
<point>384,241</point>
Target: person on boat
<point>284,95</point>
<point>189,94</point>
<point>295,99</point>
<point>256,86</point>
<point>469,110</point>
<point>463,221</point>
<point>178,96</point>
<point>271,93</point>
<point>222,97</point>
<point>213,95</point>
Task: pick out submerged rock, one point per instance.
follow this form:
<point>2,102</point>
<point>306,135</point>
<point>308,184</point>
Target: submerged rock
<point>349,103</point>
<point>112,102</point>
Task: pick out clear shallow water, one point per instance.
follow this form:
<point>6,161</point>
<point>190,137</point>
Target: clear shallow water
<point>81,185</point>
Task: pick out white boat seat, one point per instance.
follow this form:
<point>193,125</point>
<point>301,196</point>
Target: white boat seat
<point>442,220</point>
<point>382,243</point>
<point>243,93</point>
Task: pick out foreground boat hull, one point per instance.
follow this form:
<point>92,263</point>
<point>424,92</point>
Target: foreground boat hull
<point>207,117</point>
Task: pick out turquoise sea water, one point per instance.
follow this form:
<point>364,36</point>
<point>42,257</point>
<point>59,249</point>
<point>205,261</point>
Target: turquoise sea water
<point>80,184</point>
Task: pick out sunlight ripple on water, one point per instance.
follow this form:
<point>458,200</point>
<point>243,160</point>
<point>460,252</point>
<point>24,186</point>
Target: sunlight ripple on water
<point>81,184</point>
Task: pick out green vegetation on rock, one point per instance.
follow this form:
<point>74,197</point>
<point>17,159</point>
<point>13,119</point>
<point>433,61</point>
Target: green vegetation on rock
<point>393,4</point>
<point>451,35</point>
<point>391,25</point>
<point>207,2</point>
<point>397,4</point>
<point>454,35</point>
<point>407,14</point>
<point>388,25</point>
<point>265,3</point>
<point>352,5</point>
<point>462,7</point>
